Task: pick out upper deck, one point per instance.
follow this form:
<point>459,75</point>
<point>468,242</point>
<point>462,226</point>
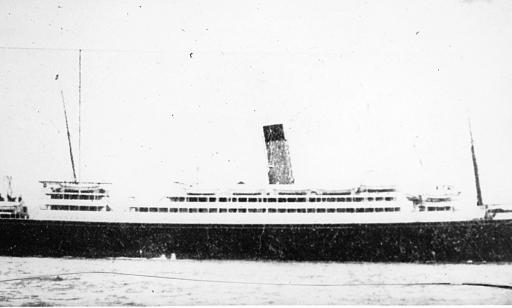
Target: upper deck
<point>75,196</point>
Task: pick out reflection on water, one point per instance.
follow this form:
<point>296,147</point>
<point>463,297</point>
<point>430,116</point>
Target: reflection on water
<point>185,282</point>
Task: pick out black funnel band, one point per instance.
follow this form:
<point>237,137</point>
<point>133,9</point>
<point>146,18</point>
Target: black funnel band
<point>273,132</point>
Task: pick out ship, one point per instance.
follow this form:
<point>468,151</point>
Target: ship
<point>281,221</point>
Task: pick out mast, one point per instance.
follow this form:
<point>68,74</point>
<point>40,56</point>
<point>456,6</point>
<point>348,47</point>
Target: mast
<point>69,137</point>
<point>79,112</point>
<point>479,201</point>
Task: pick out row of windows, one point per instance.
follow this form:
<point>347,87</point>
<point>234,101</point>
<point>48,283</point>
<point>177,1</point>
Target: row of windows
<point>280,200</point>
<point>440,208</point>
<point>77,197</point>
<point>270,210</point>
<point>76,191</point>
<point>75,208</point>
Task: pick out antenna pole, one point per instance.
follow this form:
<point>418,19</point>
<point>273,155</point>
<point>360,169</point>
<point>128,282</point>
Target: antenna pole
<point>69,136</point>
<point>79,112</point>
<point>479,201</point>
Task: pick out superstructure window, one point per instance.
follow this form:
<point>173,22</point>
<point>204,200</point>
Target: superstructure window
<point>340,199</point>
<point>389,199</point>
<point>163,210</point>
<point>281,200</point>
<point>192,210</point>
<point>312,199</point>
<point>232,210</point>
<point>320,210</point>
<point>291,210</point>
<point>242,199</point>
<point>223,210</point>
<point>301,210</point>
<point>272,200</point>
<point>281,210</point>
<point>253,199</point>
<point>310,210</point>
<point>379,198</point>
<point>203,210</point>
<point>192,199</point>
<point>212,210</point>
<point>173,210</point>
<point>272,210</point>
<point>183,210</point>
<point>441,208</point>
<point>153,209</point>
<point>242,210</point>
<point>368,210</point>
<point>358,199</point>
<point>360,210</point>
<point>340,210</point>
<point>143,209</point>
<point>222,199</point>
<point>379,209</point>
<point>212,199</point>
<point>203,199</point>
<point>389,209</point>
<point>370,198</point>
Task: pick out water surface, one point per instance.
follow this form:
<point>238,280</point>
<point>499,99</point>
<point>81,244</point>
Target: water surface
<point>104,282</point>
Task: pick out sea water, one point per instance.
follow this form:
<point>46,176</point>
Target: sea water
<point>86,282</point>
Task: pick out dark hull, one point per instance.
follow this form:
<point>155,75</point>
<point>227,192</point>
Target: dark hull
<point>412,242</point>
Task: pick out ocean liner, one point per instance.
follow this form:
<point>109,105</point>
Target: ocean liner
<point>279,222</point>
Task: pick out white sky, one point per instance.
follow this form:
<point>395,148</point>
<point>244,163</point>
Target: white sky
<point>374,92</point>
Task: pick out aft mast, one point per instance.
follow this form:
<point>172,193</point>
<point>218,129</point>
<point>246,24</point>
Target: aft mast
<point>479,201</point>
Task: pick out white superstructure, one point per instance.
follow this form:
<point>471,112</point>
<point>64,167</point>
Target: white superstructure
<point>272,205</point>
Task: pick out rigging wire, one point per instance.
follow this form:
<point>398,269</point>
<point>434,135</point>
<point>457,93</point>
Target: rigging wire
<point>183,51</point>
<point>79,113</point>
<point>82,49</point>
<point>57,276</point>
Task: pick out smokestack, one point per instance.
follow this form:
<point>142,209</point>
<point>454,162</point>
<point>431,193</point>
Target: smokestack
<point>279,165</point>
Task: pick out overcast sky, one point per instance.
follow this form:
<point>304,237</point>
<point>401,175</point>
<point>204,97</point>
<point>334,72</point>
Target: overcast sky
<point>369,92</point>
